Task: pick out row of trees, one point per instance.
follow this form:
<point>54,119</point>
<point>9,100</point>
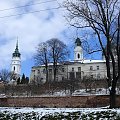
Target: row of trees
<point>52,51</point>
<point>6,76</point>
<point>102,18</point>
<point>23,80</point>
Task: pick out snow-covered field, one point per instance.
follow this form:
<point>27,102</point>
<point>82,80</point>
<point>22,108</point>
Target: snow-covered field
<point>38,113</point>
<point>81,92</point>
<point>44,111</point>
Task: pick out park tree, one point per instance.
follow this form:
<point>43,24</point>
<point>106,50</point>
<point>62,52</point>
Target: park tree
<point>27,80</point>
<point>89,83</point>
<point>23,79</point>
<point>54,51</point>
<point>99,17</point>
<point>5,75</point>
<point>58,53</point>
<point>18,81</point>
<point>42,56</point>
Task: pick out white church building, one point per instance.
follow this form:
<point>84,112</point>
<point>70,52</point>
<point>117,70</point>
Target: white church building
<point>16,63</point>
<point>76,69</point>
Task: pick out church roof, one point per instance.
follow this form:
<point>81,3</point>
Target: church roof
<point>78,42</point>
<point>16,52</point>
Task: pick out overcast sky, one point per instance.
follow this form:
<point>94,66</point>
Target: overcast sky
<point>31,28</point>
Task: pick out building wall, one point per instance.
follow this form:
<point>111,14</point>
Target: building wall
<point>76,69</point>
<point>39,73</point>
<point>16,65</point>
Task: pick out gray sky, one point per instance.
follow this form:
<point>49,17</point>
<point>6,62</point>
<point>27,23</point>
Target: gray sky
<point>30,28</point>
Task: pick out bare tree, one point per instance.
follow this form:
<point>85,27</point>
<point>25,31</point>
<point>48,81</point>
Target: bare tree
<point>53,51</point>
<point>58,53</point>
<point>5,75</point>
<point>89,83</point>
<point>42,56</point>
<point>100,16</point>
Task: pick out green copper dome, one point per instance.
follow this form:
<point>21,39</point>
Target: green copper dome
<point>78,42</point>
<point>16,52</point>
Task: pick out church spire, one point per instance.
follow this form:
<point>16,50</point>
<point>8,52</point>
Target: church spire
<point>16,62</point>
<point>17,44</point>
<point>16,52</point>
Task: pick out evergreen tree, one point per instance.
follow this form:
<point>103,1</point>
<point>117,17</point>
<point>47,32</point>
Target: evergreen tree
<point>18,81</point>
<point>23,80</point>
<point>27,80</point>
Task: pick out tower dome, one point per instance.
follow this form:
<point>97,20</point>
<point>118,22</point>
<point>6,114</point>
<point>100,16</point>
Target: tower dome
<point>78,42</point>
<point>78,51</point>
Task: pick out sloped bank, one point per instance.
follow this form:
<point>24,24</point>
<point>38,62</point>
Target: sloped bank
<point>66,101</point>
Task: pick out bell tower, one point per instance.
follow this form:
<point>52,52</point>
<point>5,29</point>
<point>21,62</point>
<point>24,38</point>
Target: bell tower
<point>78,51</point>
<point>16,61</point>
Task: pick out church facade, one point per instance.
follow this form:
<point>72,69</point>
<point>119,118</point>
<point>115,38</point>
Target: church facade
<point>76,69</point>
<point>16,63</point>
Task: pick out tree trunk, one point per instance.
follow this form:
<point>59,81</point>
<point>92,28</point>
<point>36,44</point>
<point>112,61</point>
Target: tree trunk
<point>112,98</point>
<point>54,74</point>
<point>46,76</point>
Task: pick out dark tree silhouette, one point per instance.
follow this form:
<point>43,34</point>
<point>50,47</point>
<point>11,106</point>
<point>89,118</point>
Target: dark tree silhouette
<point>18,81</point>
<point>100,16</point>
<point>5,75</point>
<point>23,80</point>
<point>42,56</point>
<point>58,53</point>
<point>54,51</point>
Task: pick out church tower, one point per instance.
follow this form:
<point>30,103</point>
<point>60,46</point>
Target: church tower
<point>78,51</point>
<point>16,61</point>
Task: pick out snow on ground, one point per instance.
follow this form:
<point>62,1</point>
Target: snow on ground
<point>98,91</point>
<point>79,92</point>
<point>43,111</point>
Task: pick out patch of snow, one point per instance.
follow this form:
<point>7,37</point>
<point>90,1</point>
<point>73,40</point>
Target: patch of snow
<point>41,112</point>
<point>110,88</point>
<point>44,111</point>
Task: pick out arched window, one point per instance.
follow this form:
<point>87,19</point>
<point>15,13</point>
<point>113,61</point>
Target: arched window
<point>14,68</point>
<point>78,55</point>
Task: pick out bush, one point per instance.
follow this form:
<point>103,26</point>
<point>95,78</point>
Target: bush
<point>109,115</point>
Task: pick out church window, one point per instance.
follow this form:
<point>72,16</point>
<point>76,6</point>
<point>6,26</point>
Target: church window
<point>56,70</point>
<point>62,77</point>
<point>72,69</point>
<point>91,76</point>
<point>98,76</point>
<point>97,67</point>
<point>44,70</point>
<point>91,67</point>
<point>63,70</point>
<point>56,78</point>
<point>78,56</point>
<point>14,68</point>
<point>33,71</point>
<point>34,77</point>
<point>38,71</point>
<point>79,69</point>
<point>50,71</point>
